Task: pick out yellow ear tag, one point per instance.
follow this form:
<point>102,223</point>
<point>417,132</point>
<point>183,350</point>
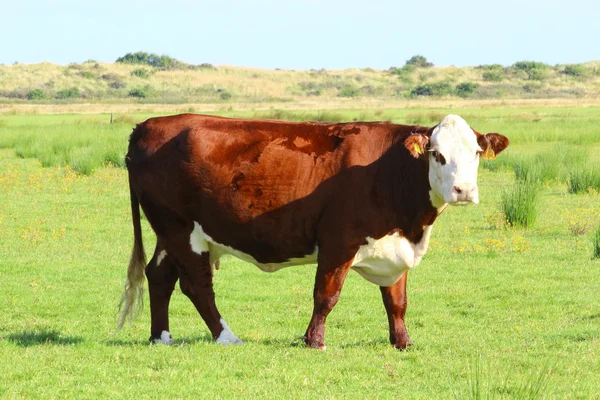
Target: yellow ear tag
<point>417,148</point>
<point>489,154</point>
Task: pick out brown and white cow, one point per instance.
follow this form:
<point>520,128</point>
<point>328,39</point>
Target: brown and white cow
<point>359,196</point>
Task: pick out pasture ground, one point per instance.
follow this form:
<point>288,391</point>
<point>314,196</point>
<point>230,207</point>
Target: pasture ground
<point>494,311</point>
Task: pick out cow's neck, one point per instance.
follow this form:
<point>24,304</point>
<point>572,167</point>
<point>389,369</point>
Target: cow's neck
<point>408,189</point>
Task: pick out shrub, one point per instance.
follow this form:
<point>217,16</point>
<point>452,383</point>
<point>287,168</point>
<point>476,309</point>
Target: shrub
<point>529,65</point>
<point>574,70</point>
<point>491,67</point>
<point>118,84</point>
<point>433,89</point>
<point>141,73</point>
<point>535,70</point>
<point>139,92</point>
<point>161,62</point>
<point>466,89</point>
<point>349,91</point>
<point>68,93</point>
<point>36,94</point>
<point>224,94</point>
<point>111,77</point>
<point>493,76</point>
<point>419,61</point>
<point>87,74</point>
<point>519,204</point>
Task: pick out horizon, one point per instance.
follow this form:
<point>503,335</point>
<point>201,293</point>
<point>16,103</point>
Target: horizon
<point>303,34</point>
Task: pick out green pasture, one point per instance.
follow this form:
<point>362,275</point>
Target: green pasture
<point>495,311</point>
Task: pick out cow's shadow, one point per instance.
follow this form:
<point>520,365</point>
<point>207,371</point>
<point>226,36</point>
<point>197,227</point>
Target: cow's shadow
<point>39,337</point>
<point>178,341</point>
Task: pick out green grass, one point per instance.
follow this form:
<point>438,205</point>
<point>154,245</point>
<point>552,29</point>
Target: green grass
<point>524,303</point>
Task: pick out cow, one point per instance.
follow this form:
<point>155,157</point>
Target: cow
<point>359,195</point>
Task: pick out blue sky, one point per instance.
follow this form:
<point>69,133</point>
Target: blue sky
<point>302,34</point>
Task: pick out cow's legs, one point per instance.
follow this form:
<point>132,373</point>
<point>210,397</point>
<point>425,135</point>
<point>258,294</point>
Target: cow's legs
<point>162,276</point>
<point>395,302</point>
<point>328,285</point>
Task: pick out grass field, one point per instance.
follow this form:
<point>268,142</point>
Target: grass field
<point>494,311</point>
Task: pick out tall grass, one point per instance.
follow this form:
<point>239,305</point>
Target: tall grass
<point>83,146</point>
<point>482,384</point>
<point>520,204</point>
<point>553,165</point>
<point>584,179</point>
<point>596,243</point>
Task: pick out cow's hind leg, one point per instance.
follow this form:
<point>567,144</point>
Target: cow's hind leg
<point>195,280</point>
<point>162,275</point>
<point>395,302</point>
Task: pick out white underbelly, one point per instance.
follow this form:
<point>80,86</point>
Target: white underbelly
<point>383,261</point>
<point>201,242</point>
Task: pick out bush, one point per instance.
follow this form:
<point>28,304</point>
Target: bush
<point>71,93</point>
<point>419,61</point>
<point>349,91</point>
<point>36,94</point>
<point>118,84</point>
<point>161,62</point>
<point>491,67</point>
<point>466,89</point>
<point>535,70</point>
<point>433,89</point>
<point>224,94</point>
<point>493,76</point>
<point>111,77</point>
<point>519,204</point>
<point>141,73</point>
<point>87,74</point>
<point>138,92</point>
<point>574,70</point>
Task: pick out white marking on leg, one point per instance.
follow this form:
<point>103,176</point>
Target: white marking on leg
<point>227,338</point>
<point>161,256</point>
<point>165,338</point>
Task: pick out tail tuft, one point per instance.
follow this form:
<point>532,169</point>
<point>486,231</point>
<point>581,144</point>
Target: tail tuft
<point>131,300</point>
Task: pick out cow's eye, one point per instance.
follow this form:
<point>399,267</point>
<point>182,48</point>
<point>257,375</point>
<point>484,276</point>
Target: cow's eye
<point>438,157</point>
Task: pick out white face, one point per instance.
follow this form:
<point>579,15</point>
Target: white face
<point>453,162</point>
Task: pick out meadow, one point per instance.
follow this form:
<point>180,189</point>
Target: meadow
<point>497,309</point>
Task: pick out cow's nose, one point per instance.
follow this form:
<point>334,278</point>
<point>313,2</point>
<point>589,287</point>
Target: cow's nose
<point>465,191</point>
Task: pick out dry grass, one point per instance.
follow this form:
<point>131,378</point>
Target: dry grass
<point>330,104</point>
<point>259,88</point>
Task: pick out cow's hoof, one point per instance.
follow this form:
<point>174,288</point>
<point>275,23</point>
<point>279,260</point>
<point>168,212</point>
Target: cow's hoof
<point>313,344</point>
<point>403,345</point>
<point>165,338</point>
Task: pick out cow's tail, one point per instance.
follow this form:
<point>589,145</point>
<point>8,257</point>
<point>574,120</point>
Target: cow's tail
<point>131,300</point>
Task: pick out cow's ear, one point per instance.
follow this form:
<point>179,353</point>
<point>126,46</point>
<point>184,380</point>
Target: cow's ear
<point>492,144</point>
<point>416,144</point>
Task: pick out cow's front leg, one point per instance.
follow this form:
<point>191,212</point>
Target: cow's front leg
<point>395,302</point>
<point>328,285</point>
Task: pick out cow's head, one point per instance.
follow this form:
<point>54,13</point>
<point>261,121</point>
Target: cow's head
<point>453,149</point>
